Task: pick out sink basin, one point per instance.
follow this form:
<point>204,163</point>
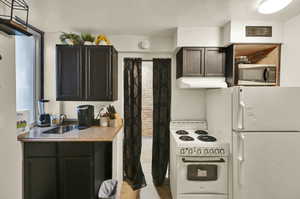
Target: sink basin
<point>61,129</point>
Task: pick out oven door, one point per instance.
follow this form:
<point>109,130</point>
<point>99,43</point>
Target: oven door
<point>256,74</point>
<point>203,175</point>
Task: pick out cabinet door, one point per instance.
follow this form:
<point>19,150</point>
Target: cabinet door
<point>76,178</point>
<point>114,80</point>
<point>98,73</point>
<point>214,62</point>
<point>193,62</point>
<point>69,73</point>
<point>40,180</point>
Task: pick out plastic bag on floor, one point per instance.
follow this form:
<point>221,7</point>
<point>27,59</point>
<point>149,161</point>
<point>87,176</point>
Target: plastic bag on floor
<point>108,189</point>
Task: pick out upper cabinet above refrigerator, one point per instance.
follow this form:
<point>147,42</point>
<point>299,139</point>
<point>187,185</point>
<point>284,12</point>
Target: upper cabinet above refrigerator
<point>253,64</point>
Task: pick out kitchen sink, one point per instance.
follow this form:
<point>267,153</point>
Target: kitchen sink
<point>61,129</point>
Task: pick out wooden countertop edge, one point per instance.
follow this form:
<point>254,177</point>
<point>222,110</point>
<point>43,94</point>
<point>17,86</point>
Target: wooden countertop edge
<point>21,138</point>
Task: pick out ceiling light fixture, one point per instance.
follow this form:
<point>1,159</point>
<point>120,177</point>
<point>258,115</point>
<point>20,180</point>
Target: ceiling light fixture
<point>272,6</point>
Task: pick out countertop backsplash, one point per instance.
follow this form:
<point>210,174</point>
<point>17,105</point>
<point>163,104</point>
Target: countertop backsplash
<point>69,108</point>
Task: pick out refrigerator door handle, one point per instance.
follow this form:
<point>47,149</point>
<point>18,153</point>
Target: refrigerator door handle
<point>241,157</point>
<point>241,125</point>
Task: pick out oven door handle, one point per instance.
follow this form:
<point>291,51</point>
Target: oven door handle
<point>203,161</point>
<point>266,74</point>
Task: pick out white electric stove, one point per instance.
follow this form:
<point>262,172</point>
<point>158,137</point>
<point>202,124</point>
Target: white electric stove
<point>198,162</point>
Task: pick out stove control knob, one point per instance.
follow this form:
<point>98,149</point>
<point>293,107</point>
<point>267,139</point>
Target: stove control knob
<point>182,151</point>
<point>211,151</point>
<point>199,151</point>
<point>206,151</point>
<point>190,151</point>
<point>222,151</point>
<point>217,151</point>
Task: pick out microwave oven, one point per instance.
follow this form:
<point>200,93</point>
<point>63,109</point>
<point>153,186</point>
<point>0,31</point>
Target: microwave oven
<point>256,75</point>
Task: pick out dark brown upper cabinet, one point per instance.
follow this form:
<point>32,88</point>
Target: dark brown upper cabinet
<point>87,73</point>
<point>214,62</point>
<point>69,81</point>
<point>200,62</point>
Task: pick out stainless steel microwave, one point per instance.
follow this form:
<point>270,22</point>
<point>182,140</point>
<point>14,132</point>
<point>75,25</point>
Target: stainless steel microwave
<point>257,75</point>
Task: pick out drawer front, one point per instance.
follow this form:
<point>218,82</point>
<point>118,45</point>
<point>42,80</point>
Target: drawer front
<point>75,149</point>
<point>35,149</point>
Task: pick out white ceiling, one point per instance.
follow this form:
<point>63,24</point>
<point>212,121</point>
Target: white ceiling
<point>144,17</point>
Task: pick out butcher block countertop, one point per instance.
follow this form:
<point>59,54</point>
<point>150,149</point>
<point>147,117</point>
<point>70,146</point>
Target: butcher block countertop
<point>92,134</point>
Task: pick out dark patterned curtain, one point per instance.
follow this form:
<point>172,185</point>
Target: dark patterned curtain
<point>161,119</point>
<point>133,172</point>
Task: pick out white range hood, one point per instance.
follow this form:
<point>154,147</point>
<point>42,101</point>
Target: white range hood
<point>201,82</point>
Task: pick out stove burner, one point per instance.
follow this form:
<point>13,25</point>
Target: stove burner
<point>207,138</point>
<point>182,132</point>
<point>201,132</point>
<point>186,138</point>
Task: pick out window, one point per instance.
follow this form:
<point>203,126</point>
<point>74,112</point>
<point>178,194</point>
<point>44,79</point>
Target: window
<point>27,56</point>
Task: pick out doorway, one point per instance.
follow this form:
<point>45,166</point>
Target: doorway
<point>147,130</point>
<point>147,111</point>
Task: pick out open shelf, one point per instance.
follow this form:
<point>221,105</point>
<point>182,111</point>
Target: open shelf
<point>249,49</point>
<point>12,28</point>
<point>258,56</point>
<point>8,22</point>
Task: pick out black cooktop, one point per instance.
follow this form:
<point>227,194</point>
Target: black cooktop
<point>182,132</point>
<point>186,138</point>
<point>207,138</point>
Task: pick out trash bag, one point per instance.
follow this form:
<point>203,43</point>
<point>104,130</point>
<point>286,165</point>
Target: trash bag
<point>108,189</point>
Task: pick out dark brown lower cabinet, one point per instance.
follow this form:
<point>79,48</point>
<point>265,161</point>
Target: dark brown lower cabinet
<point>76,177</point>
<point>66,170</point>
<point>40,178</point>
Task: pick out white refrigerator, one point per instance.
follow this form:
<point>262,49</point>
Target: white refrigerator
<point>263,126</point>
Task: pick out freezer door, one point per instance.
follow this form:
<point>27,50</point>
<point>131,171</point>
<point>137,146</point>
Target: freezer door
<point>266,165</point>
<point>266,109</point>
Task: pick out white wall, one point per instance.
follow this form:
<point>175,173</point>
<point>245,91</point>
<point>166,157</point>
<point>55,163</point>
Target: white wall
<point>290,66</point>
<point>186,104</point>
<point>10,148</point>
<point>234,32</point>
<point>130,43</point>
<point>199,36</point>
